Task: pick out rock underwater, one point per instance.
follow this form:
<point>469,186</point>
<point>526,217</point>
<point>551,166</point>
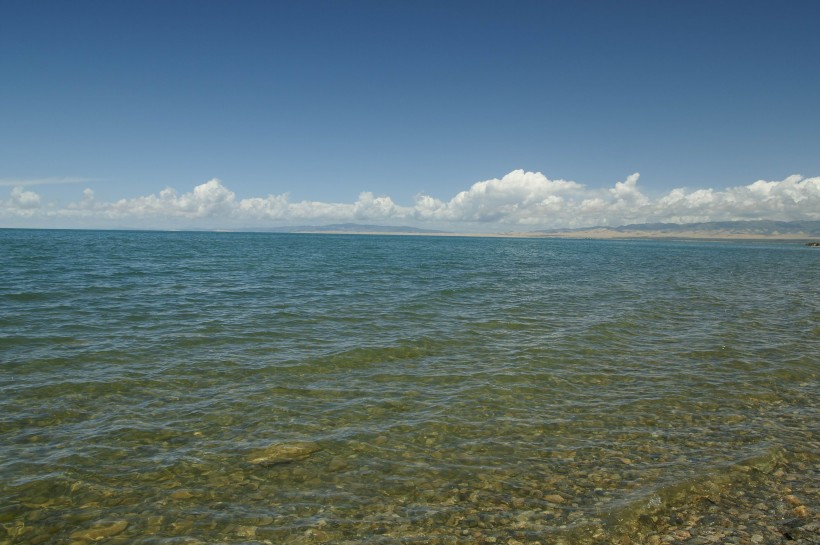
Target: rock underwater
<point>284,453</point>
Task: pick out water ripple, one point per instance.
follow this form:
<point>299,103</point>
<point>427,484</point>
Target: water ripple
<point>515,388</point>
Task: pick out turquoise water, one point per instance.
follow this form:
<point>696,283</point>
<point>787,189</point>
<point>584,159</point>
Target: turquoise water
<point>450,390</point>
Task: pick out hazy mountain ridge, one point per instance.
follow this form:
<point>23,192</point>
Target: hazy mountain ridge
<point>361,228</point>
<point>766,228</point>
<point>750,227</point>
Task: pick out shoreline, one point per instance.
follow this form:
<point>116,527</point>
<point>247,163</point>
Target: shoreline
<point>591,234</point>
<point>585,234</point>
<point>765,502</point>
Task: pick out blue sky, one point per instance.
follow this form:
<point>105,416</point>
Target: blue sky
<point>322,101</point>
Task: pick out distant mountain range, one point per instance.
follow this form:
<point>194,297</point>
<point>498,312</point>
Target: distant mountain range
<point>767,228</point>
<point>713,229</point>
<point>360,228</point>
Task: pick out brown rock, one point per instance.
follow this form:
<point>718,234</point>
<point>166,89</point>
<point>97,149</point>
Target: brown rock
<point>337,464</point>
<point>794,500</point>
<point>181,495</point>
<point>802,511</point>
<point>101,532</point>
<point>284,453</point>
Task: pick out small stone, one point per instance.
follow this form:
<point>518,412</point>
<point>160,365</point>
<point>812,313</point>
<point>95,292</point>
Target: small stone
<point>246,531</point>
<point>284,453</point>
<point>181,495</point>
<point>794,500</point>
<point>554,498</point>
<point>716,536</point>
<point>101,532</point>
<point>380,440</point>
<point>801,511</point>
<point>154,523</point>
<point>757,538</point>
<point>337,464</point>
<point>318,536</point>
<point>181,526</point>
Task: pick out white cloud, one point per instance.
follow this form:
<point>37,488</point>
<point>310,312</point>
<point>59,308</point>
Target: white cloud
<point>628,190</point>
<point>525,200</point>
<point>518,197</point>
<point>208,200</point>
<point>24,200</point>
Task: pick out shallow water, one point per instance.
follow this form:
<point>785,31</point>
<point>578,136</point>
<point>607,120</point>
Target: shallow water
<point>459,390</point>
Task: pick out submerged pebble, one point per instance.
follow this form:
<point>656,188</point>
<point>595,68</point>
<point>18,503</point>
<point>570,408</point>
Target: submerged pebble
<point>284,453</point>
<point>101,530</point>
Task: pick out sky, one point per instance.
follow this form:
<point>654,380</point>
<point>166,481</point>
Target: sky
<point>467,116</point>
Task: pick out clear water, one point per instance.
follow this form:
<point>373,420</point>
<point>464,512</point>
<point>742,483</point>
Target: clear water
<point>459,389</point>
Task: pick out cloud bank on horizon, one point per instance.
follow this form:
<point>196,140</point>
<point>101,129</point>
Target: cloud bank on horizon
<point>518,201</point>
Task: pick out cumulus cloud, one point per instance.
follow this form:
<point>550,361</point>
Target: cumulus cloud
<point>519,197</point>
<point>208,200</point>
<point>794,198</point>
<point>25,199</point>
<point>525,200</point>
